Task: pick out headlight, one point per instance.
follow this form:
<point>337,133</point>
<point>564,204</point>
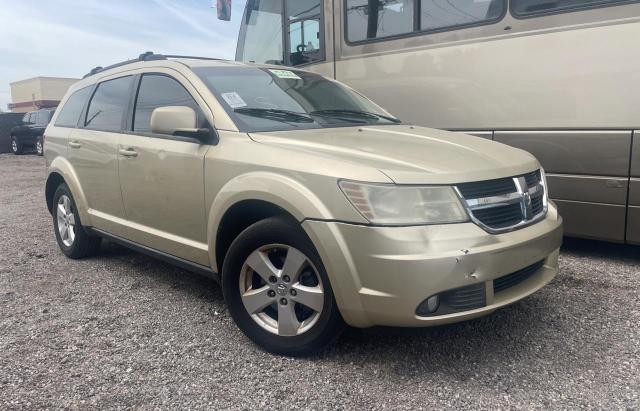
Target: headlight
<point>405,205</point>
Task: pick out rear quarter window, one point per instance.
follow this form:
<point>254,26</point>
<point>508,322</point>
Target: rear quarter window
<point>71,110</point>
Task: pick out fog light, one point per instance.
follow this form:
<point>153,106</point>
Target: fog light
<point>429,306</point>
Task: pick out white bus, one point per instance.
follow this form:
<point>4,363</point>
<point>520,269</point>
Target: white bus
<point>559,78</point>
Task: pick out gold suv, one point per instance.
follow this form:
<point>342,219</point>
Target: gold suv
<point>311,205</point>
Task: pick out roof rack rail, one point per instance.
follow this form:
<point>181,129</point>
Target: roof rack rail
<point>176,56</point>
<point>148,56</point>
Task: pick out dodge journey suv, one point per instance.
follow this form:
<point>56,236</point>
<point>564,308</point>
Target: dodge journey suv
<point>311,205</point>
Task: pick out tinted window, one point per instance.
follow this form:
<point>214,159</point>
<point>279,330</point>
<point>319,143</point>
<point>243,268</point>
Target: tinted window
<point>370,19</point>
<point>533,7</point>
<point>261,41</point>
<point>43,117</point>
<point>159,91</point>
<point>70,112</point>
<point>437,14</point>
<point>108,105</point>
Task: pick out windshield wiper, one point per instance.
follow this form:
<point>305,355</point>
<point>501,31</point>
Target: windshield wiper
<point>275,114</point>
<point>357,113</point>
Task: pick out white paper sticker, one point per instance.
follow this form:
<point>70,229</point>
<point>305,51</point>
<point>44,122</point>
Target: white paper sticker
<point>234,100</point>
<point>285,74</point>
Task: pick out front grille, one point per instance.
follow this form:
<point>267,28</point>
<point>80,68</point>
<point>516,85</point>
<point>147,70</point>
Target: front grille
<point>464,298</point>
<point>487,188</point>
<point>537,205</point>
<point>510,280</point>
<point>532,179</point>
<point>500,217</point>
<point>506,203</point>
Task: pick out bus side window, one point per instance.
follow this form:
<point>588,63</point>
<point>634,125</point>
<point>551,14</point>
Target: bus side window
<point>304,31</point>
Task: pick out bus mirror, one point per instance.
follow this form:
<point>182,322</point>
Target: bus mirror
<point>224,9</point>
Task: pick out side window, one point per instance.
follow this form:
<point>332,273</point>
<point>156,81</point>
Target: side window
<point>370,19</point>
<point>70,112</point>
<point>435,14</point>
<point>304,29</point>
<point>260,39</point>
<point>108,105</point>
<point>25,118</point>
<point>43,117</point>
<point>526,8</point>
<point>159,91</point>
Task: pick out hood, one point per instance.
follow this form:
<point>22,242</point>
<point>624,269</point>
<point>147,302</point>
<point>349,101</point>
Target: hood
<point>408,154</point>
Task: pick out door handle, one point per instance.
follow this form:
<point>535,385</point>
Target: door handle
<point>74,144</point>
<point>128,152</point>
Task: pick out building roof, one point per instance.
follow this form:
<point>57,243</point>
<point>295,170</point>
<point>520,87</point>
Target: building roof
<point>42,78</point>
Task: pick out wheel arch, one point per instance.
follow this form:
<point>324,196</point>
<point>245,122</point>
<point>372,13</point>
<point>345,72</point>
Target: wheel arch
<point>60,171</point>
<point>248,199</point>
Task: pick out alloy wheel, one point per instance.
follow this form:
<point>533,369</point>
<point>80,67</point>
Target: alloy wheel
<point>39,148</point>
<point>281,290</point>
<point>66,220</point>
<point>14,145</point>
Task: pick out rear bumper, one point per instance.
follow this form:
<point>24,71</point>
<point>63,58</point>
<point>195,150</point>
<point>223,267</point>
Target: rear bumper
<point>26,140</point>
<point>380,275</point>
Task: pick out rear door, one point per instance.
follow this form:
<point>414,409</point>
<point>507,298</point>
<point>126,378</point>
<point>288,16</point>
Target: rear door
<point>161,176</point>
<point>93,152</point>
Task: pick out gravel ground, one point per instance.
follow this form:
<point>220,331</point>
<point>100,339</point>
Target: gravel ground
<point>124,330</point>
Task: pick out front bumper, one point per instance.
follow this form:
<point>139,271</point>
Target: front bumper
<point>379,275</point>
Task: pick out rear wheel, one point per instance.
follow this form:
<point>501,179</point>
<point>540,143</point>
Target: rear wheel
<point>73,239</point>
<point>16,146</point>
<point>39,146</point>
<point>277,290</point>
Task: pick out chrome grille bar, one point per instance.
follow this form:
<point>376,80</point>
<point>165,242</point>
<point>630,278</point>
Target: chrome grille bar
<point>496,214</point>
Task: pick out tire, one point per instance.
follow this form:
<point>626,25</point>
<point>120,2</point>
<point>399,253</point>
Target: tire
<point>39,146</point>
<point>16,147</point>
<point>75,242</point>
<point>279,239</point>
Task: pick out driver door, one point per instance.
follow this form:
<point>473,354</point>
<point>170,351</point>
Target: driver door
<point>161,176</point>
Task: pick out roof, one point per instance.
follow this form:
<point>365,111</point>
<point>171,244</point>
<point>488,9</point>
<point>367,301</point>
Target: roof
<point>42,78</point>
<point>190,61</point>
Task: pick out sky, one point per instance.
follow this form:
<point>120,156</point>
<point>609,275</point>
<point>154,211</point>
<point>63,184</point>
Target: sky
<point>66,38</point>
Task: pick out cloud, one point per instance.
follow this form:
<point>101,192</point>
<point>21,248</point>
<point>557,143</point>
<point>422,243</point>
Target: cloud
<point>67,38</point>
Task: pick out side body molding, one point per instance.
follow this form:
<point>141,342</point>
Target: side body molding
<point>63,167</point>
<point>280,190</point>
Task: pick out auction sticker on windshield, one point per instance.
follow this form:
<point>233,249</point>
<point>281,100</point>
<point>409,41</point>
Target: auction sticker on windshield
<point>285,74</point>
<point>234,100</point>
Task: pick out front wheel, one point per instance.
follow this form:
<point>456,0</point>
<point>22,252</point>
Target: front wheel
<point>277,289</point>
<point>16,146</point>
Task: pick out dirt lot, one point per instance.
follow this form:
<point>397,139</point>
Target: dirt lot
<point>124,330</point>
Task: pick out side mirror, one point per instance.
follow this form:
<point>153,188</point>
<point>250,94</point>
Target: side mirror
<point>180,121</point>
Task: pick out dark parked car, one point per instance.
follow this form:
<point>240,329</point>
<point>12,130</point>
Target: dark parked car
<point>29,133</point>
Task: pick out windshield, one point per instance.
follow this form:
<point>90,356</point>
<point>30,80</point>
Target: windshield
<point>260,99</point>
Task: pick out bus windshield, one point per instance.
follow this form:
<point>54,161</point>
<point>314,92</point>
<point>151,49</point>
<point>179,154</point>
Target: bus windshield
<point>263,99</point>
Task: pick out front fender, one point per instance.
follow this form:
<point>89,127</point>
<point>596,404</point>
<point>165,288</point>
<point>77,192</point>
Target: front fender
<point>63,167</point>
<point>282,191</point>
